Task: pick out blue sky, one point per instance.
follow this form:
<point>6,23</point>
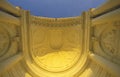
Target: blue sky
<point>57,8</point>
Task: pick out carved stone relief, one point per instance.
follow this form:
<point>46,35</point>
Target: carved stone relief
<point>50,52</point>
<point>9,40</point>
<point>55,49</point>
<point>108,40</point>
<point>4,40</point>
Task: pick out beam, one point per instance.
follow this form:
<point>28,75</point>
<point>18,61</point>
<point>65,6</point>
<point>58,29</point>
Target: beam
<point>106,7</point>
<point>7,7</point>
<point>7,18</point>
<point>107,18</point>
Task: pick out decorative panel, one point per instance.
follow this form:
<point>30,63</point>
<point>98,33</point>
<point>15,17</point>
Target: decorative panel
<point>9,40</point>
<point>106,36</point>
<point>4,40</point>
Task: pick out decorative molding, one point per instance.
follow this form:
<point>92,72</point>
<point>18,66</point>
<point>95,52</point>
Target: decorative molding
<point>111,68</point>
<point>10,62</point>
<point>57,22</point>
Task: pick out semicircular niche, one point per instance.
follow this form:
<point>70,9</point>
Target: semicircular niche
<point>55,51</point>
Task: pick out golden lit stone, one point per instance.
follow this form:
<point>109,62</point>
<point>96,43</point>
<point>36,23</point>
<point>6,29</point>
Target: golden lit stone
<point>82,46</point>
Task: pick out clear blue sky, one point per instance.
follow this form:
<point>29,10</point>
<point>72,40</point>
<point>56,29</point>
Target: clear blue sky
<point>57,8</point>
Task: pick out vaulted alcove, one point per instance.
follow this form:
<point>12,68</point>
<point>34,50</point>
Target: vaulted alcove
<point>83,46</point>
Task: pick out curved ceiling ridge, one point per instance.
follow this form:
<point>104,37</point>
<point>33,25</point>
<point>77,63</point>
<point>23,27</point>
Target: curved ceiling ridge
<point>38,20</point>
<point>58,19</point>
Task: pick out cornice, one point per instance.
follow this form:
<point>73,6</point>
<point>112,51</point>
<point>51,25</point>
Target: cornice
<point>70,21</point>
